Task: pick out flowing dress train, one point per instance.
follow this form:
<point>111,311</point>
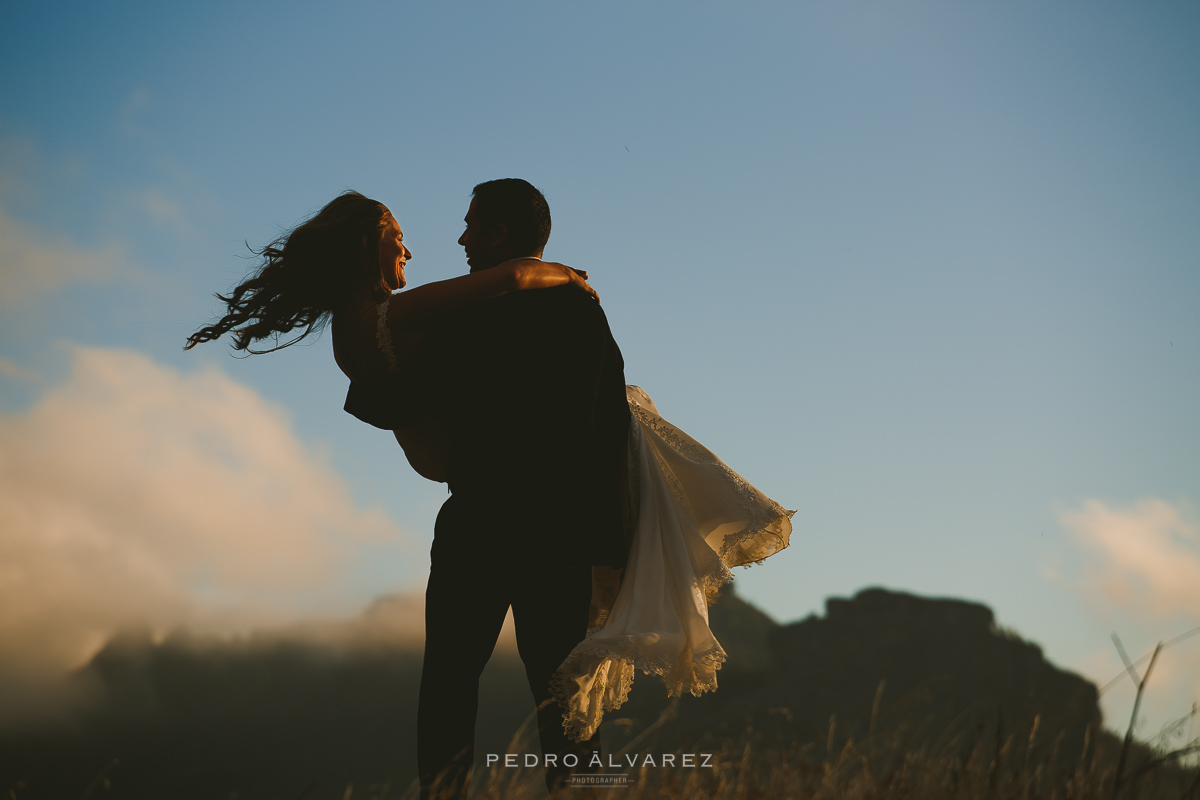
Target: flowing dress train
<point>695,519</point>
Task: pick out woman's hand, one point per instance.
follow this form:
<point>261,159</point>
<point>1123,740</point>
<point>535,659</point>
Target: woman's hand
<point>532,273</point>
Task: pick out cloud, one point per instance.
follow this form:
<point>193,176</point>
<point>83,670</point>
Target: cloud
<point>15,372</point>
<point>1141,575</point>
<point>18,163</point>
<point>134,494</point>
<point>1144,560</point>
<point>36,259</point>
<point>161,209</point>
<point>32,264</point>
<point>127,117</point>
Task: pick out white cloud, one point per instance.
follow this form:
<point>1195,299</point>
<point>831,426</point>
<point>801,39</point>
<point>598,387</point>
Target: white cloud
<point>15,372</point>
<point>38,259</point>
<point>31,263</point>
<point>161,209</point>
<point>134,494</point>
<point>1144,560</point>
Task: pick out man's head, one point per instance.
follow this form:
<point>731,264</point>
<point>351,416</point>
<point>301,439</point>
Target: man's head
<point>508,218</point>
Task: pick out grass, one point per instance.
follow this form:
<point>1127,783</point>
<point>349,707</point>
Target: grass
<point>1027,765</point>
<point>894,756</point>
<point>885,767</point>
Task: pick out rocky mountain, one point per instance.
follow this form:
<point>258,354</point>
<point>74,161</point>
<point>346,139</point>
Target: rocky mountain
<point>934,671</point>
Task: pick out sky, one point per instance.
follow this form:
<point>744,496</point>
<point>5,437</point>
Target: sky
<point>927,273</point>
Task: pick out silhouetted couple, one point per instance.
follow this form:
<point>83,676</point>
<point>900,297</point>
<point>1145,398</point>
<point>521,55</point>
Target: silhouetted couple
<point>606,529</point>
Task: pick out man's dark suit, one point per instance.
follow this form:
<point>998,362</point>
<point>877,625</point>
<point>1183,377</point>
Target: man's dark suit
<point>530,389</point>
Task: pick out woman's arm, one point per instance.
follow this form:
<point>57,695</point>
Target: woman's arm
<point>410,308</point>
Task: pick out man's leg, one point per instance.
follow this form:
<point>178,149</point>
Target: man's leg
<point>465,606</point>
<point>550,611</point>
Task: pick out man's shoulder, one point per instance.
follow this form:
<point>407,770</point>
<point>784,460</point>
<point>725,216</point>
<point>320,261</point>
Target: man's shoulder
<point>565,304</point>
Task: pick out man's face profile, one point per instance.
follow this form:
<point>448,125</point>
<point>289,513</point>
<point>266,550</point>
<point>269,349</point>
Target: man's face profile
<point>481,247</point>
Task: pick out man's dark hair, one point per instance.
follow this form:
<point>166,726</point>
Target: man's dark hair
<point>520,207</point>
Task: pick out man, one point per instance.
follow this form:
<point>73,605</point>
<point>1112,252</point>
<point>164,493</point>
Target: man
<point>530,390</point>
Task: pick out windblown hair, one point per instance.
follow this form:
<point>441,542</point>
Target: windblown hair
<point>520,207</point>
<point>305,275</point>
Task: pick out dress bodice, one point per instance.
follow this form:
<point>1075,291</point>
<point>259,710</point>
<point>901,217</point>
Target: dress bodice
<point>383,336</point>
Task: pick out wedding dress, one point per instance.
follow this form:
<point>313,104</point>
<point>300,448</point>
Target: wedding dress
<point>696,519</point>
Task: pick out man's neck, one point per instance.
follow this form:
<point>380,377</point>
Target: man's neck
<point>534,257</point>
<point>538,257</point>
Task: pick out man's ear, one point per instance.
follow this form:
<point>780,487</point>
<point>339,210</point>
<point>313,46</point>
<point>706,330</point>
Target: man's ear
<point>499,234</point>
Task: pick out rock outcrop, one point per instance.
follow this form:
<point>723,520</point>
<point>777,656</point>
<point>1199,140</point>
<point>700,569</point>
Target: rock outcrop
<point>933,671</point>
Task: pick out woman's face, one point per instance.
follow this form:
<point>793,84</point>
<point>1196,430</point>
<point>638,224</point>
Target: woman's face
<point>393,255</point>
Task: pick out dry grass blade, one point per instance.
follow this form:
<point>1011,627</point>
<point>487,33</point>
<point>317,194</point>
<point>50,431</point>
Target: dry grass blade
<point>1137,704</point>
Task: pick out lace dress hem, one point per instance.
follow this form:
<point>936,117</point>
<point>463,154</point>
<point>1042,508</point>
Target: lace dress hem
<point>696,519</point>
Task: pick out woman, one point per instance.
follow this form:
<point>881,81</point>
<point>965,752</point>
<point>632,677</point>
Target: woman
<point>693,517</point>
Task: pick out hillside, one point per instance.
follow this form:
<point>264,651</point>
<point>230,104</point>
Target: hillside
<point>269,715</point>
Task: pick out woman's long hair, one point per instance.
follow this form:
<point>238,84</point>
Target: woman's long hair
<point>305,275</point>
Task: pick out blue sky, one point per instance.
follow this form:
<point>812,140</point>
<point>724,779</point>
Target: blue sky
<point>926,272</point>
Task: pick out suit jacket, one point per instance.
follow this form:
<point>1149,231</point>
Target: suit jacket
<point>530,389</point>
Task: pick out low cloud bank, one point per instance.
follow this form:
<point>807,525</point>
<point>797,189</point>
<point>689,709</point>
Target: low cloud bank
<point>136,495</point>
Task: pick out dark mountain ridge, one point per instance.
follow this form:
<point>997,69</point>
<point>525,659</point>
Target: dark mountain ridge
<point>935,670</point>
<point>200,717</point>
